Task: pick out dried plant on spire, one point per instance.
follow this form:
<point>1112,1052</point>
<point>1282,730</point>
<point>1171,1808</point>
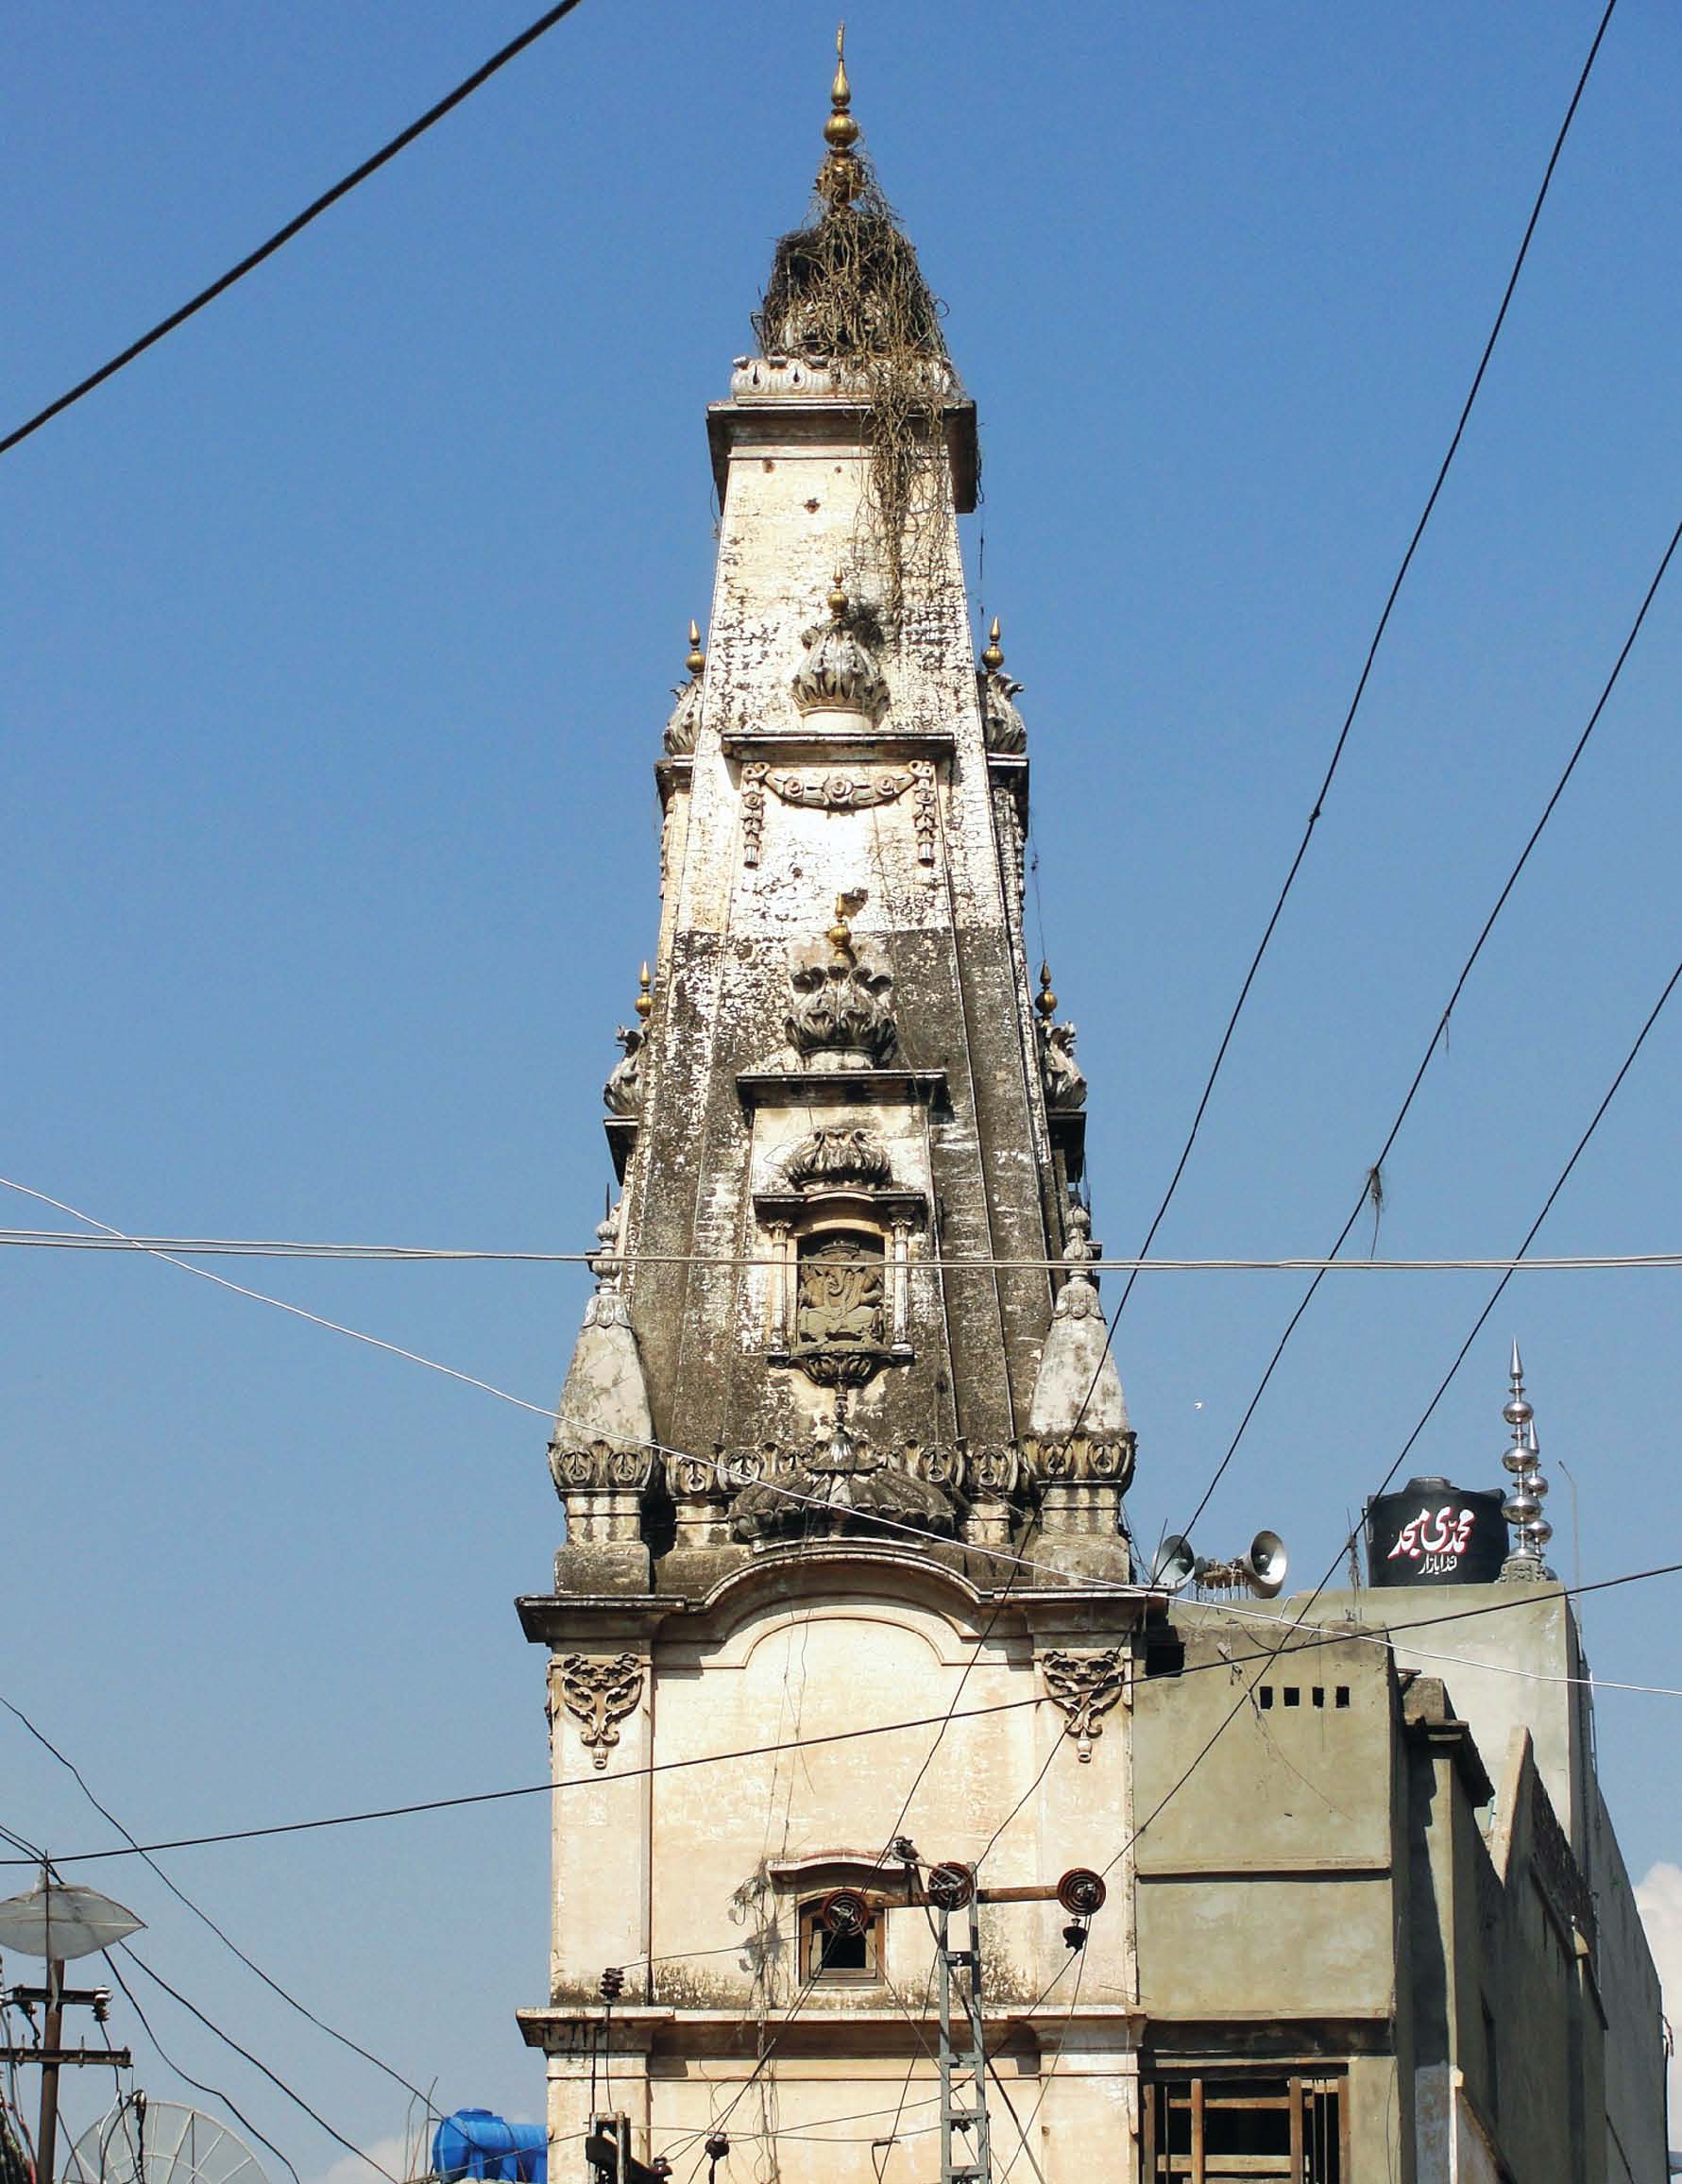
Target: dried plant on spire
<point>847,291</point>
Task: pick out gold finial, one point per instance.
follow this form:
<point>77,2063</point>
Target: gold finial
<point>992,659</point>
<point>840,934</point>
<point>1046,1001</point>
<point>645,1000</point>
<point>840,177</point>
<point>840,131</point>
<point>697,659</point>
<point>838,596</point>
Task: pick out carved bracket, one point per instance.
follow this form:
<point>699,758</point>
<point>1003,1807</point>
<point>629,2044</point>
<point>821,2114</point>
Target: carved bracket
<point>599,1694</point>
<point>1083,1688</point>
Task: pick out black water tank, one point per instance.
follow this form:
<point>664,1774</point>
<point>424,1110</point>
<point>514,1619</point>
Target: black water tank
<point>1432,1533</point>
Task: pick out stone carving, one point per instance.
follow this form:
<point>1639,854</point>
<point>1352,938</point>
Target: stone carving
<point>837,792</point>
<point>1078,1297</point>
<point>1080,1461</point>
<point>685,723</point>
<point>836,1486</point>
<point>841,1014</point>
<point>834,1158</point>
<point>1001,723</point>
<point>1007,816</point>
<point>996,1471</point>
<point>605,1466</point>
<point>839,674</point>
<point>622,1091</point>
<point>599,1694</point>
<point>753,812</point>
<point>840,1314</point>
<point>1066,1081</point>
<point>924,811</point>
<point>1083,1688</point>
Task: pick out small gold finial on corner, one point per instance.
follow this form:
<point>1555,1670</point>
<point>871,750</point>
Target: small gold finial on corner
<point>697,659</point>
<point>838,596</point>
<point>992,659</point>
<point>645,1000</point>
<point>1046,1001</point>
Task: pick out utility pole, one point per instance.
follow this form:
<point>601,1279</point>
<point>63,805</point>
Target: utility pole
<point>963,2075</point>
<point>950,1891</point>
<point>59,1921</point>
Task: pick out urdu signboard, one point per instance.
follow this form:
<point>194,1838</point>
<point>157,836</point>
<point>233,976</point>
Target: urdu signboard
<point>1433,1533</point>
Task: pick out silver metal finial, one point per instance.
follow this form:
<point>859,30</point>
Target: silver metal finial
<point>1522,1507</point>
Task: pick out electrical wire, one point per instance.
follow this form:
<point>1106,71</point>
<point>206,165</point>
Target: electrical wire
<point>293,226</point>
<point>1518,1599</point>
<point>242,1247</point>
<point>530,1788</point>
<point>203,1915</point>
<point>1441,1032</point>
<point>273,2076</point>
<point>1442,1388</point>
<point>1378,634</point>
<point>199,2086</point>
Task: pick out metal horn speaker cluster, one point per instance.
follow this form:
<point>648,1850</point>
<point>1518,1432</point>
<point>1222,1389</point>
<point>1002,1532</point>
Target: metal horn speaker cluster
<point>1261,1571</point>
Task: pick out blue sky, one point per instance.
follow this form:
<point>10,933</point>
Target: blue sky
<point>339,632</point>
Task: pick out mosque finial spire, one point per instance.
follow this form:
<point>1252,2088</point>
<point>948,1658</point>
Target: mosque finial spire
<point>1522,1507</point>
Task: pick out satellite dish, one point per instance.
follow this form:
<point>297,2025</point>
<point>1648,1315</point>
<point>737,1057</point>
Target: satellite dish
<point>143,2141</point>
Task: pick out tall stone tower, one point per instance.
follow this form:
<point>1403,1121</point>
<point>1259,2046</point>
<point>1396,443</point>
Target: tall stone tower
<point>841,1448</point>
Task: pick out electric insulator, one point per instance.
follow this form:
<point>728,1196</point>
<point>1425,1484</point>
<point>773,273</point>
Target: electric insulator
<point>950,1885</point>
<point>717,2146</point>
<point>845,1912</point>
<point>1082,1891</point>
<point>1073,1934</point>
<point>613,1983</point>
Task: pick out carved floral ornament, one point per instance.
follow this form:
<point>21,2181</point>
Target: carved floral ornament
<point>841,1003</point>
<point>599,1693</point>
<point>1083,1688</point>
<point>834,790</point>
<point>833,1158</point>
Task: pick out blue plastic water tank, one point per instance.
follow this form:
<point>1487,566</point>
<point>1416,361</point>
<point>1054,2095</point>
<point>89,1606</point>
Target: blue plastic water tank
<point>473,2143</point>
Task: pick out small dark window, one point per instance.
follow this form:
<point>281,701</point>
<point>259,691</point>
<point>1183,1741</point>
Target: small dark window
<point>1292,1696</point>
<point>1267,1697</point>
<point>838,1959</point>
<point>1343,1695</point>
<point>1319,1694</point>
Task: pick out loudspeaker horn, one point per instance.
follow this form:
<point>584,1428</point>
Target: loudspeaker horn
<point>1266,1564</point>
<point>1174,1563</point>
